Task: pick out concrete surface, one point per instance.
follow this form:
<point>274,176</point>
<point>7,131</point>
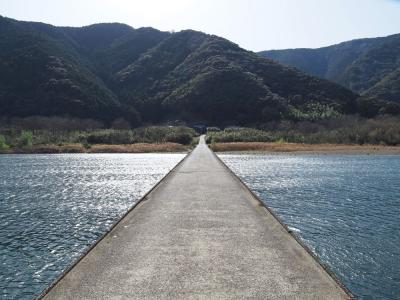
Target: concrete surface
<point>199,235</point>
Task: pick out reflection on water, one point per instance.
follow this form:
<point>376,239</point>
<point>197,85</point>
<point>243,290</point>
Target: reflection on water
<point>345,207</point>
<point>53,206</point>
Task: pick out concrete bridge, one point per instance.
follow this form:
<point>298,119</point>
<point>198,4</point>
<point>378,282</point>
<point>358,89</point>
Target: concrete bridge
<point>199,234</point>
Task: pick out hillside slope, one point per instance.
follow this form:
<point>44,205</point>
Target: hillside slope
<point>367,66</point>
<point>109,71</point>
<point>40,75</point>
<point>196,76</point>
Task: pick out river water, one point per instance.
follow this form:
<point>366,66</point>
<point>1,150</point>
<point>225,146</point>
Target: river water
<point>346,208</point>
<point>52,207</point>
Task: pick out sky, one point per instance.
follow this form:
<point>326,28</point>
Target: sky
<point>253,24</point>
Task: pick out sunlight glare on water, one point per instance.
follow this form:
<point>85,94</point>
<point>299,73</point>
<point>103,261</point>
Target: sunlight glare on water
<point>54,206</point>
<point>346,208</point>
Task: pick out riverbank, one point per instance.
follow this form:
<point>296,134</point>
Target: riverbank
<point>138,140</point>
<point>99,148</point>
<point>217,147</point>
<point>304,148</point>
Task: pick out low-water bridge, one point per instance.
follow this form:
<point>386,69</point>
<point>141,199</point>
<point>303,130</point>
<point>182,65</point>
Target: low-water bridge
<point>199,234</point>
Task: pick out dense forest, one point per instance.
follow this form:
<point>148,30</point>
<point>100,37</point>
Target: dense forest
<point>110,72</point>
<point>370,67</point>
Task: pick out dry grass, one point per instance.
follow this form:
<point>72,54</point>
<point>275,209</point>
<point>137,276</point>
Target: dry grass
<point>295,147</point>
<point>138,148</point>
<point>51,148</point>
<point>79,148</point>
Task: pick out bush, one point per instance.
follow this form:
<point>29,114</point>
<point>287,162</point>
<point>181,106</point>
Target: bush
<point>110,136</point>
<point>344,130</point>
<point>151,134</point>
<point>3,144</point>
<point>180,138</point>
<point>160,134</point>
<point>86,145</point>
<point>181,135</point>
<point>25,139</point>
<point>238,135</point>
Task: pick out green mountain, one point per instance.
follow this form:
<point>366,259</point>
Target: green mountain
<point>47,70</point>
<point>39,75</point>
<point>195,76</point>
<point>370,67</point>
<point>111,47</point>
<point>108,71</point>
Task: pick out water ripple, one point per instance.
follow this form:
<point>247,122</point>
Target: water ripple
<point>346,208</point>
<point>54,206</point>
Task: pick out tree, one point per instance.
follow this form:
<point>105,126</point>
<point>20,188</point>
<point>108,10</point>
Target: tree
<point>120,123</point>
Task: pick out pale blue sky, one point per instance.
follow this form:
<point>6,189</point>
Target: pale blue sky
<point>253,24</point>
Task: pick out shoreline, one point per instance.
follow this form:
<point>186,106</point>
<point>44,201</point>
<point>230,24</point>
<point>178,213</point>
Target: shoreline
<point>234,147</point>
<point>100,148</point>
<point>270,147</point>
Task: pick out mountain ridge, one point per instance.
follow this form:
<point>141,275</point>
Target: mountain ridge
<point>111,70</point>
<point>366,66</point>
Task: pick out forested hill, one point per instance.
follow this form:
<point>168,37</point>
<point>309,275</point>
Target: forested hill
<point>109,71</point>
<point>196,76</point>
<point>367,66</point>
<point>47,70</point>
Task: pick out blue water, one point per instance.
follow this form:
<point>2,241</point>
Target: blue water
<point>346,208</point>
<point>52,207</point>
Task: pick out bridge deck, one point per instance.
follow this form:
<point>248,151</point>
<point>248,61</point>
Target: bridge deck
<point>199,235</point>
